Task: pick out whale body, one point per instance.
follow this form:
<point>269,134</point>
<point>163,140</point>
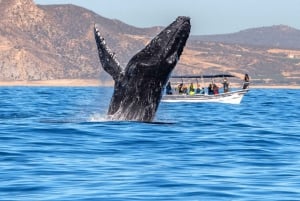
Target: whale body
<point>139,86</point>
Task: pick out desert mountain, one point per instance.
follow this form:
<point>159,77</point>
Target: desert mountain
<point>277,36</point>
<point>270,54</point>
<point>57,42</point>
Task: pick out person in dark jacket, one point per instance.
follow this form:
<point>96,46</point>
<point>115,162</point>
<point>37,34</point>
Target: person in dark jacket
<point>225,85</point>
<point>246,81</point>
<point>169,89</point>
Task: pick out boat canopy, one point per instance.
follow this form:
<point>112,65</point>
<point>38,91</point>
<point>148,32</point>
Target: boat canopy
<point>202,76</point>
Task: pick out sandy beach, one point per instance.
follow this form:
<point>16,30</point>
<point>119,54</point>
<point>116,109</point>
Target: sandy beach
<point>56,83</point>
<point>98,83</point>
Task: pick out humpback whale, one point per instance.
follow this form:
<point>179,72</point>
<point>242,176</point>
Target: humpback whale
<point>139,86</point>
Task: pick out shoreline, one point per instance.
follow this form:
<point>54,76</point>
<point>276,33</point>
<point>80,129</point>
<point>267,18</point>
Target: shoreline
<point>54,83</point>
<point>98,83</point>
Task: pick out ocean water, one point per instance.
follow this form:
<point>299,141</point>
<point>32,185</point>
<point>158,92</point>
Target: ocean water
<point>56,144</point>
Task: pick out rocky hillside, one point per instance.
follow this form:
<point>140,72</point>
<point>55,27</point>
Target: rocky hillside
<point>57,42</point>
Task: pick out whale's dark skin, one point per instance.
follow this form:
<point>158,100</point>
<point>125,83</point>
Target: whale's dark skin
<point>138,87</point>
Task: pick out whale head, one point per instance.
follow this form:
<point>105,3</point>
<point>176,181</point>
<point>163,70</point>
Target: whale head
<point>163,52</point>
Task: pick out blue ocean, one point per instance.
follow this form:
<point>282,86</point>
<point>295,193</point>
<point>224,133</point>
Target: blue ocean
<point>56,144</point>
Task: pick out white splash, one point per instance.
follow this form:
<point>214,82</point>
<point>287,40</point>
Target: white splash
<point>98,118</point>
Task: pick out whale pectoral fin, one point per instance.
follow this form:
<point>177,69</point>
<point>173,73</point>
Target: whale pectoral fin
<point>107,58</point>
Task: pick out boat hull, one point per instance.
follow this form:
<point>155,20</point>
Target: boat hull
<point>234,97</point>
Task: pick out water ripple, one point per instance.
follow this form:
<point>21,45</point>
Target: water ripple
<point>58,144</point>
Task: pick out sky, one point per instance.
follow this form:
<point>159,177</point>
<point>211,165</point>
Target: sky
<point>207,16</point>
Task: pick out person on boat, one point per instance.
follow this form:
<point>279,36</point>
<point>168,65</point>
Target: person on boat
<point>225,85</point>
<point>198,90</point>
<point>210,89</point>
<point>215,89</point>
<point>180,88</point>
<point>169,89</point>
<point>191,90</point>
<point>202,92</point>
<point>184,89</point>
<point>246,81</point>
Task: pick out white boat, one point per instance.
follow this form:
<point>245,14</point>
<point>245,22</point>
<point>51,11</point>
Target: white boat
<point>234,97</point>
<point>231,97</point>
